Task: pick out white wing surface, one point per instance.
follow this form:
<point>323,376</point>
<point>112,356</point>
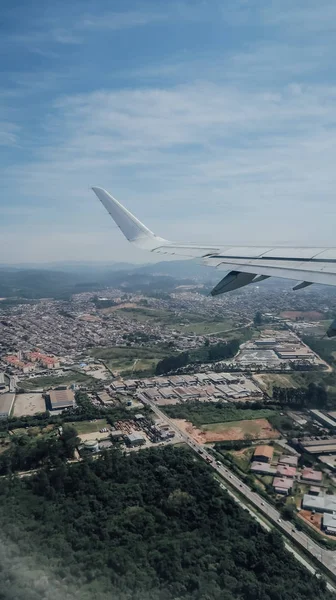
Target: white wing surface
<point>246,264</point>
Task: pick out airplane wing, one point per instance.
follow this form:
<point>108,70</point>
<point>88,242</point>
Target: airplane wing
<point>245,264</point>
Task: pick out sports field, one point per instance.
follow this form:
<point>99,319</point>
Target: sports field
<point>207,327</point>
<point>89,426</point>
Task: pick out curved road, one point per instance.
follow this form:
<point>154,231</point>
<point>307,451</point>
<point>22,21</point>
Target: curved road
<point>324,556</point>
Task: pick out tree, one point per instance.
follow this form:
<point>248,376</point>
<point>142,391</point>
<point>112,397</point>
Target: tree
<point>288,511</point>
<point>258,319</point>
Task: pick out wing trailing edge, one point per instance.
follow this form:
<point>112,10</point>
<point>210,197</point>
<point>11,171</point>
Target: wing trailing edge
<point>246,264</point>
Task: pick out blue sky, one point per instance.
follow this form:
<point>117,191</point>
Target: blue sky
<point>210,120</point>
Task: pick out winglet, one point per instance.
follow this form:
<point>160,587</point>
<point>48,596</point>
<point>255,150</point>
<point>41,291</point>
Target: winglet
<point>136,232</point>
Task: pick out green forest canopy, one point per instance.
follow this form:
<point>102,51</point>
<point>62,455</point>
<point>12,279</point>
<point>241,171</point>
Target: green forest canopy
<point>154,525</point>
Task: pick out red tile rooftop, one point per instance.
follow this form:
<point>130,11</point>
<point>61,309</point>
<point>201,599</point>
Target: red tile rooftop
<point>311,475</point>
<point>282,483</point>
<point>286,471</point>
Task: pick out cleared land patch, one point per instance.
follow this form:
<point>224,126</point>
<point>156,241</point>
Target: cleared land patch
<point>202,413</point>
<point>311,315</point>
<point>268,381</point>
<point>258,429</point>
<point>51,380</point>
<point>131,359</point>
<point>28,404</point>
<point>96,435</point>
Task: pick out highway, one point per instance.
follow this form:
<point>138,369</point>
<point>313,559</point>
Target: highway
<point>324,556</point>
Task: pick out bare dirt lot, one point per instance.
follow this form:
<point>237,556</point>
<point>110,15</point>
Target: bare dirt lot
<point>28,404</point>
<point>258,429</point>
<point>96,435</point>
<point>312,315</point>
<point>112,309</point>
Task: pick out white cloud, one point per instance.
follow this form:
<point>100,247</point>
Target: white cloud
<point>8,133</point>
<point>50,35</point>
<point>121,20</point>
<point>197,161</point>
<point>244,151</point>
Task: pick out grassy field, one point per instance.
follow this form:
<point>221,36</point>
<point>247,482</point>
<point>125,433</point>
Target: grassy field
<point>201,414</point>
<point>131,359</point>
<point>53,380</point>
<point>89,426</point>
<point>243,333</point>
<point>185,322</point>
<point>269,380</point>
<point>207,327</point>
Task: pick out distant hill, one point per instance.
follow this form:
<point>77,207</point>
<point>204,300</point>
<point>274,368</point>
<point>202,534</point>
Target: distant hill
<point>34,283</point>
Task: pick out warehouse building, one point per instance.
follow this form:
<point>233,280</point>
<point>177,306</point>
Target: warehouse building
<point>187,393</point>
<point>262,468</point>
<point>323,419</point>
<point>217,378</point>
<point>2,382</point>
<point>134,439</point>
<point>298,354</point>
<point>319,446</point>
<point>118,385</point>
<point>311,475</point>
<point>176,380</point>
<point>130,384</point>
<point>292,461</point>
<point>152,394</point>
<point>104,398</point>
<point>286,471</point>
<point>148,383</point>
<point>202,377</point>
<point>61,399</point>
<point>229,378</point>
<point>282,485</point>
<point>167,392</point>
<point>161,382</point>
<point>329,523</point>
<point>323,504</point>
<point>265,342</point>
<point>6,405</point>
<point>116,434</point>
<point>263,454</point>
<point>190,379</point>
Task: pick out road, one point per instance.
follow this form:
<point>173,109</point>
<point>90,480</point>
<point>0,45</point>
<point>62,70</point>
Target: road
<point>264,525</point>
<point>324,556</point>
